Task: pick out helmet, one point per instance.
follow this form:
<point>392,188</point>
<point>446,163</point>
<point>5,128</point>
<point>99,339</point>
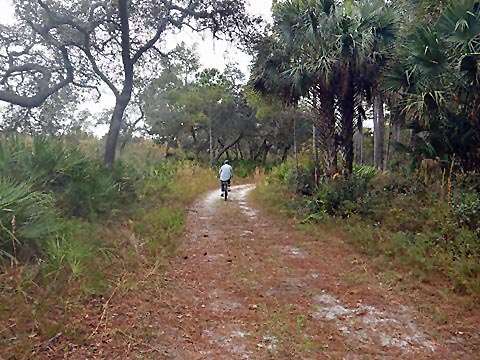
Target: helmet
<point>226,162</point>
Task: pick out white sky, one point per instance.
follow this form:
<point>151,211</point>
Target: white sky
<point>212,53</point>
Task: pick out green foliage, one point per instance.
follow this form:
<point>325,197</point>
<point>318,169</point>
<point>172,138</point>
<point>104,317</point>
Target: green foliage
<point>468,181</point>
<point>27,217</point>
<point>68,254</point>
<point>366,172</point>
<point>45,163</point>
<point>98,189</point>
<point>435,82</point>
<point>343,196</point>
<point>466,210</point>
<point>82,187</point>
<point>399,183</point>
<point>281,173</point>
<point>159,178</point>
<point>245,168</point>
<point>159,228</point>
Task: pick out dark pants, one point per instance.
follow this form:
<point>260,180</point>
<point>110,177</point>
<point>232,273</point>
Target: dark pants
<point>222,184</point>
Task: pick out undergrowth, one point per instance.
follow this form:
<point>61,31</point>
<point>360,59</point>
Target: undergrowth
<point>402,224</point>
<point>71,228</point>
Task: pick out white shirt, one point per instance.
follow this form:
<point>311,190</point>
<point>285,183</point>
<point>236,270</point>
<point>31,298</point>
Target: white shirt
<point>226,172</point>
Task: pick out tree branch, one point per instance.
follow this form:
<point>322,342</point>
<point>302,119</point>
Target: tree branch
<point>92,87</point>
<point>87,51</point>
<point>44,90</point>
<point>150,44</point>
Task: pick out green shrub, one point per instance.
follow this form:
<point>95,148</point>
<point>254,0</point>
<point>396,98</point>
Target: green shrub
<point>45,163</point>
<point>466,210</point>
<point>159,227</point>
<point>399,183</point>
<point>157,180</point>
<point>466,275</point>
<point>27,217</point>
<point>67,254</point>
<point>285,174</point>
<point>98,189</point>
<point>341,196</point>
<point>396,219</point>
<point>366,172</point>
<point>245,168</point>
<point>79,253</point>
<point>469,181</point>
<point>82,187</point>
<point>281,173</point>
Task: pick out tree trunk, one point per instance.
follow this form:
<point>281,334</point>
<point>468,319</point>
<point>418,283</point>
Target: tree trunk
<point>196,147</point>
<point>362,144</point>
<point>397,138</point>
<point>347,104</point>
<point>210,138</point>
<point>115,126</point>
<point>167,148</point>
<point>295,150</point>
<point>239,147</point>
<point>261,149</point>
<point>348,146</point>
<point>285,152</point>
<point>315,155</point>
<point>325,123</point>
<point>387,152</point>
<point>227,147</point>
<point>378,131</point>
<point>397,132</point>
<point>123,98</point>
<point>251,148</point>
<point>358,143</point>
<point>235,151</point>
<point>265,153</point>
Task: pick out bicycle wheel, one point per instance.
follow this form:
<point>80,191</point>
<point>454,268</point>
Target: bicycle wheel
<point>226,191</point>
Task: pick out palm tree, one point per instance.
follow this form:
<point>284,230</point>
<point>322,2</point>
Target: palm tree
<point>306,29</point>
<point>369,41</point>
<point>437,77</point>
<point>319,53</point>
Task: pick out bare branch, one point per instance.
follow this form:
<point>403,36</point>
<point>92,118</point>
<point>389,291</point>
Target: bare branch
<point>86,86</point>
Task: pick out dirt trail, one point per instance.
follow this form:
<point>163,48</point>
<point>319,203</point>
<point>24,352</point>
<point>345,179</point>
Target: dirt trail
<point>246,286</point>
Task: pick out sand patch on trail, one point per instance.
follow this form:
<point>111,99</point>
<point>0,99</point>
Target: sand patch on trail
<point>372,326</point>
<point>231,341</point>
<point>293,251</point>
<point>239,195</point>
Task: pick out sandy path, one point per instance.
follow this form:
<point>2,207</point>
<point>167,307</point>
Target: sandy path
<point>249,288</point>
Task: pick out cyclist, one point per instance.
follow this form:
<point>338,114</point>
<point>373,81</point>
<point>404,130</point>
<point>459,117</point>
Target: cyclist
<point>226,174</point>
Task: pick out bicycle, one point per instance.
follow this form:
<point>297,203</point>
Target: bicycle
<point>225,189</point>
